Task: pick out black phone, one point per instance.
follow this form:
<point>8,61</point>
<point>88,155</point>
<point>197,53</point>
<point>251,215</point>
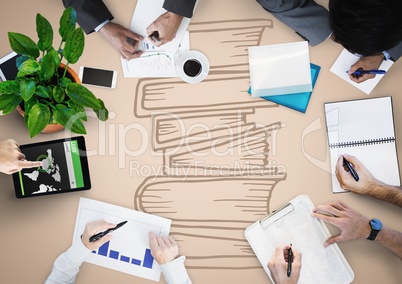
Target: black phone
<point>98,77</point>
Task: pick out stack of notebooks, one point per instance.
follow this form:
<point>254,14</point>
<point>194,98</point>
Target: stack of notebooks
<point>282,73</point>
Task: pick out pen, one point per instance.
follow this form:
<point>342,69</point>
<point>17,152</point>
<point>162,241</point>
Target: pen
<point>351,169</point>
<point>101,234</point>
<point>155,37</point>
<point>290,260</point>
<point>361,72</point>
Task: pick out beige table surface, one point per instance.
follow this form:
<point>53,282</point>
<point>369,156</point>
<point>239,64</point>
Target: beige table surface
<point>124,165</point>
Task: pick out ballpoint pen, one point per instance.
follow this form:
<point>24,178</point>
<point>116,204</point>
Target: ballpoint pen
<point>290,260</point>
<point>155,37</point>
<point>361,72</point>
<point>351,169</point>
<point>101,234</point>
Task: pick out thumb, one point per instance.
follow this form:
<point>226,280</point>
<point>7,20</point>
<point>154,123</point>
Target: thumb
<point>24,164</point>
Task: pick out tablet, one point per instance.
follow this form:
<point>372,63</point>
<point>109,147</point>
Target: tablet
<point>8,66</point>
<point>64,168</point>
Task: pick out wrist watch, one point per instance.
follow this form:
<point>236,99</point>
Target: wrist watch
<point>376,226</point>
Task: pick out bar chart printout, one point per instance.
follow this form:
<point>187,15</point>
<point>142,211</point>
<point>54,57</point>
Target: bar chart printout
<point>128,251</point>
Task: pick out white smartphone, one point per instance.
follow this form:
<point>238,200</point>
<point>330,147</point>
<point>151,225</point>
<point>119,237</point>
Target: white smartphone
<point>98,77</point>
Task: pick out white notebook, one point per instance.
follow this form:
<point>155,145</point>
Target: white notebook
<point>279,69</point>
<point>364,129</point>
<point>293,224</point>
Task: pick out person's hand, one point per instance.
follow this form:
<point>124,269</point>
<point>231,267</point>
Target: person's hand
<point>366,63</point>
<point>123,40</point>
<point>165,26</point>
<point>352,224</point>
<point>93,228</point>
<point>346,180</point>
<point>11,158</point>
<point>163,249</point>
<point>279,263</point>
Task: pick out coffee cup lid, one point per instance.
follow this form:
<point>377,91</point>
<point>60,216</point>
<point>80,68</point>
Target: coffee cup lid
<point>198,56</point>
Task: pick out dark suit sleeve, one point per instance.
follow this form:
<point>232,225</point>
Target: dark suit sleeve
<point>396,52</point>
<point>180,7</point>
<point>90,13</point>
<point>306,17</point>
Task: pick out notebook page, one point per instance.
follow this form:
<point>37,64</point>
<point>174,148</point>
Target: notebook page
<point>364,129</point>
<point>320,265</point>
<point>145,13</point>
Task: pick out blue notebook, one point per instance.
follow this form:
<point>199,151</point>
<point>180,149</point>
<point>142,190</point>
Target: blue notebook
<point>298,101</point>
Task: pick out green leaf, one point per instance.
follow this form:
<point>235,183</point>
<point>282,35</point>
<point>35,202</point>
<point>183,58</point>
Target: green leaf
<point>27,89</point>
<point>82,96</point>
<point>47,66</point>
<point>23,45</point>
<point>74,46</point>
<point>69,119</point>
<point>102,113</point>
<point>64,82</point>
<point>79,110</point>
<point>8,102</point>
<point>58,94</point>
<point>67,23</point>
<point>28,67</point>
<point>42,92</point>
<point>55,56</point>
<point>27,107</point>
<point>9,87</point>
<point>45,33</point>
<point>39,116</point>
<point>21,59</point>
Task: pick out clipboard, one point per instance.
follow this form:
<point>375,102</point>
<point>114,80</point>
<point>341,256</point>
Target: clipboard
<point>293,224</point>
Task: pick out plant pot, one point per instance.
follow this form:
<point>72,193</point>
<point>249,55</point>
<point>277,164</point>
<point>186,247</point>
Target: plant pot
<point>55,127</point>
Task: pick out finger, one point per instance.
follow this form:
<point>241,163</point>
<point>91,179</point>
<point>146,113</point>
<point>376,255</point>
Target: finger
<point>135,55</point>
<point>324,217</point>
<point>279,254</point>
<point>24,164</point>
<point>327,209</point>
<point>333,240</point>
<point>153,243</point>
<point>172,241</point>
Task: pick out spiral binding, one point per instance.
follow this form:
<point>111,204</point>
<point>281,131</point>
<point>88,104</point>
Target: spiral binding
<point>362,142</point>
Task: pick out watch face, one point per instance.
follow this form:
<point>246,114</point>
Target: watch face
<point>376,224</point>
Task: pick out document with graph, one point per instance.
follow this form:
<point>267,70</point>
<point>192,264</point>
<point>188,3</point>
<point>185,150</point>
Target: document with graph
<point>293,224</point>
<point>128,251</point>
<point>364,129</point>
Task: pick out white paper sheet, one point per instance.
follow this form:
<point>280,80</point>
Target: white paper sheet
<point>347,59</point>
<point>145,13</point>
<point>128,251</point>
<point>155,64</point>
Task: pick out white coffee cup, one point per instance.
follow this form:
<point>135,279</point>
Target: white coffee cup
<point>192,66</point>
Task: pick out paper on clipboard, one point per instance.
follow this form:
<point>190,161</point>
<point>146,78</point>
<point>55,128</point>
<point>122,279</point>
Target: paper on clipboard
<point>293,224</point>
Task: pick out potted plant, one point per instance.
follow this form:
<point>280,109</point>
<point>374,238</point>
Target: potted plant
<point>48,90</point>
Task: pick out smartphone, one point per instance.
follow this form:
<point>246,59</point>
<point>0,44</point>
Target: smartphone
<point>98,77</point>
<point>8,66</point>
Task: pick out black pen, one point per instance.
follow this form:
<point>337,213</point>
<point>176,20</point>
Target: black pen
<point>155,37</point>
<point>101,234</point>
<point>290,260</point>
<point>351,169</point>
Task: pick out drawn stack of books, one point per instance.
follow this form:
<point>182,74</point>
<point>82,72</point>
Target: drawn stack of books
<point>219,174</point>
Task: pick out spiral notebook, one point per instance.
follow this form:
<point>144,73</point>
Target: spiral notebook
<point>364,129</point>
<point>294,224</point>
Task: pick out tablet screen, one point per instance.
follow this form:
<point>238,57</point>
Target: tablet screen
<point>64,168</point>
<point>8,66</point>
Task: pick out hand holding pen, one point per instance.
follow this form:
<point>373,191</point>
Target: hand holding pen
<point>355,177</point>
<point>280,265</point>
<point>92,229</point>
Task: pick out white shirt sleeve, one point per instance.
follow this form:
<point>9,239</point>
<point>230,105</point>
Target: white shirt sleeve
<point>175,272</point>
<point>67,265</point>
<point>101,25</point>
